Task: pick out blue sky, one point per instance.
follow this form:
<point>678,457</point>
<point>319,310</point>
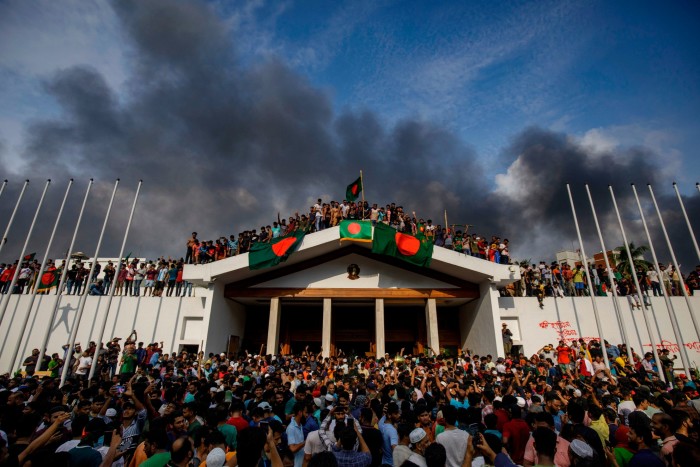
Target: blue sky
<point>467,78</point>
<point>610,72</point>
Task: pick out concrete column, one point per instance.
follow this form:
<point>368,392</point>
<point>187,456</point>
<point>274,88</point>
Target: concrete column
<point>431,324</point>
<point>273,328</point>
<point>326,332</point>
<point>379,327</point>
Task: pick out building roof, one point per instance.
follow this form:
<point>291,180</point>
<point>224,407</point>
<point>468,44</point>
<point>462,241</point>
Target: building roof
<point>327,242</point>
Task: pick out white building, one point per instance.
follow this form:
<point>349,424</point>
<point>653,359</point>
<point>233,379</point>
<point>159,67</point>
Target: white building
<point>310,300</point>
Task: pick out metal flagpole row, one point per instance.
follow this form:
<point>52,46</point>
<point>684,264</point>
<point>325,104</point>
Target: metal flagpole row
<point>3,240</point>
<point>47,333</point>
<point>6,298</point>
<point>671,311</point>
<point>2,188</point>
<point>675,263</point>
<point>588,276</point>
<point>633,269</point>
<point>687,221</point>
<point>83,297</point>
<point>100,336</point>
<point>37,283</point>
<point>611,276</point>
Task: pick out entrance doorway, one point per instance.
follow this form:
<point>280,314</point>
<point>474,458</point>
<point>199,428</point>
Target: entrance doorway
<point>404,327</point>
<point>300,326</point>
<point>352,329</point>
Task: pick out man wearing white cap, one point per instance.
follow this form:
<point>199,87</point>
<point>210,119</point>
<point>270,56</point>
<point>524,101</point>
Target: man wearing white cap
<point>419,440</point>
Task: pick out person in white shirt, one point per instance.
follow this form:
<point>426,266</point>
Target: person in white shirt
<point>83,365</point>
<point>453,439</point>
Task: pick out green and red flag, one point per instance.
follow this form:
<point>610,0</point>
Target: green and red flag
<point>356,231</point>
<point>29,257</point>
<point>352,192</point>
<point>414,249</point>
<point>49,280</point>
<point>265,255</point>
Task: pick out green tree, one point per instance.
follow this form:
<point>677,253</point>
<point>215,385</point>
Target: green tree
<point>622,262</point>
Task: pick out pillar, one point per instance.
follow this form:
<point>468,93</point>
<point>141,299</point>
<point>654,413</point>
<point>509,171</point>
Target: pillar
<point>379,327</point>
<point>326,331</point>
<point>273,328</point>
<point>431,324</point>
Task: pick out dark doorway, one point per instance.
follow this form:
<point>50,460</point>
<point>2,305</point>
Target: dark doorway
<point>404,327</point>
<point>352,329</point>
<point>301,326</point>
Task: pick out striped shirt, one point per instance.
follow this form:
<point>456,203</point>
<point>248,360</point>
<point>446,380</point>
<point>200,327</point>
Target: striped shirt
<point>130,436</point>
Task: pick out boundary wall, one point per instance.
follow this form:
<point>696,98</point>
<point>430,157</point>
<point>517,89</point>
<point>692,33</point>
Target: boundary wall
<point>572,318</point>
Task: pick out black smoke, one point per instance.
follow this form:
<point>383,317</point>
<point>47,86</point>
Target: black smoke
<point>222,146</point>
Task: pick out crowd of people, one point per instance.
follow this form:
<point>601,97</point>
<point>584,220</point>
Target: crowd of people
<point>147,278</point>
<point>564,280</point>
<point>324,215</point>
<point>561,406</point>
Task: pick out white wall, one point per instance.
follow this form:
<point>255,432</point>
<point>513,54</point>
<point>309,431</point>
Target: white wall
<point>573,318</point>
<point>155,320</point>
<point>479,322</point>
<point>227,318</point>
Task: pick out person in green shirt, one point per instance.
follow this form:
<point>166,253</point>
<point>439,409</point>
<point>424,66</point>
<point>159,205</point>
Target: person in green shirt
<point>229,431</point>
<point>128,364</point>
<point>54,364</point>
<point>155,446</point>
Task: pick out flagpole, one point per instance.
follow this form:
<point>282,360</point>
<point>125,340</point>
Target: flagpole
<point>12,217</point>
<point>100,336</point>
<point>671,310</point>
<point>675,263</point>
<point>39,276</point>
<point>362,182</point>
<point>47,333</point>
<point>639,290</point>
<point>611,276</point>
<point>588,276</point>
<point>687,221</point>
<point>2,188</point>
<point>83,297</point>
<point>6,298</point>
<point>446,226</point>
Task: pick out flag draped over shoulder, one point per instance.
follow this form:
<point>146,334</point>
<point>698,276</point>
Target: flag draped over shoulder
<point>265,255</point>
<point>352,192</point>
<point>49,280</point>
<point>414,249</point>
<point>356,231</point>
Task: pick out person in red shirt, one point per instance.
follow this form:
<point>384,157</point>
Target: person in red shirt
<point>236,418</point>
<point>564,358</point>
<point>516,432</point>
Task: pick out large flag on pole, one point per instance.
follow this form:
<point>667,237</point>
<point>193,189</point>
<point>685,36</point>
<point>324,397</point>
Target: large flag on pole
<point>356,231</point>
<point>414,249</point>
<point>265,255</point>
<point>352,192</point>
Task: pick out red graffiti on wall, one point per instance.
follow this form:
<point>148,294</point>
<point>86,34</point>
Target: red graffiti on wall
<point>674,347</point>
<point>565,331</point>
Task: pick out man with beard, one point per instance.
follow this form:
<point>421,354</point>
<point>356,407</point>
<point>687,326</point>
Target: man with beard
<point>641,438</point>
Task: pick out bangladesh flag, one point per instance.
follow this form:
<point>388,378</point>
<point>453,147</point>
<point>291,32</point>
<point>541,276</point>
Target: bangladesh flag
<point>265,255</point>
<point>49,280</point>
<point>352,192</point>
<point>356,231</point>
<point>29,257</point>
<point>416,250</point>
